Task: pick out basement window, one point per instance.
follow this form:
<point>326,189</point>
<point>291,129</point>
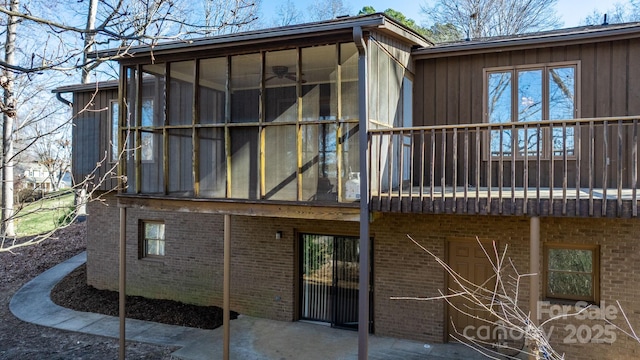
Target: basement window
<point>571,272</point>
<point>153,241</point>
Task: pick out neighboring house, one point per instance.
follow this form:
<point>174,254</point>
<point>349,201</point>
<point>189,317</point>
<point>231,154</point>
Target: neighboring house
<point>36,177</point>
<point>530,141</point>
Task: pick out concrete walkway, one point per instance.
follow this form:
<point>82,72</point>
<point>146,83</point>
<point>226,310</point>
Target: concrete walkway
<point>251,338</point>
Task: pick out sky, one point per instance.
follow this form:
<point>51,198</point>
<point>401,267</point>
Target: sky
<point>572,12</point>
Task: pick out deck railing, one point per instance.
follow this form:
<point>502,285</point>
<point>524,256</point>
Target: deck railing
<point>579,167</point>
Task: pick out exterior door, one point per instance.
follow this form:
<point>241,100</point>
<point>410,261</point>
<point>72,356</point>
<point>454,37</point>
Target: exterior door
<point>330,268</point>
<point>467,258</point>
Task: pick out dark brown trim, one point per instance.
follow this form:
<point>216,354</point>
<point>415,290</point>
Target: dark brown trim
<point>343,212</point>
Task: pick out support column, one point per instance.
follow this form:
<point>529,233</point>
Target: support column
<point>226,287</point>
<point>363,287</point>
<point>122,286</point>
<point>534,268</point>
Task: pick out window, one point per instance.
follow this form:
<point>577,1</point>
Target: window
<point>114,111</point>
<point>571,272</point>
<point>152,235</point>
<point>527,94</point>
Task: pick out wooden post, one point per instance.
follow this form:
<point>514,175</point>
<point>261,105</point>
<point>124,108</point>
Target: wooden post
<point>122,287</point>
<point>534,268</point>
<point>226,287</point>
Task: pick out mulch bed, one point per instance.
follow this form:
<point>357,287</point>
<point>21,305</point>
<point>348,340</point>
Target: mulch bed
<point>74,293</point>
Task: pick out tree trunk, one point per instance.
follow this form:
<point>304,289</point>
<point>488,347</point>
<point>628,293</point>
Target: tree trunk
<point>9,115</point>
<point>89,40</point>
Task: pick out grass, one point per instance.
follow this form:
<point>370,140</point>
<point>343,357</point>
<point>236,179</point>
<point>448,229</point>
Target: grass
<point>43,215</point>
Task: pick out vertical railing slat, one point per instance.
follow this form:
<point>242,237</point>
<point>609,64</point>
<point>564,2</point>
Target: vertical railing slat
<point>605,165</point>
<point>454,166</point>
<point>539,168</point>
<point>478,168</point>
<point>400,168</point>
<point>422,159</point>
<point>514,154</point>
<point>433,167</point>
<point>577,149</point>
<point>564,169</point>
<point>411,167</point>
<point>634,169</point>
<point>620,161</point>
<point>551,169</point>
<point>489,166</point>
<point>466,168</point>
<point>381,136</point>
<point>390,170</point>
<point>591,165</point>
<point>525,176</point>
<point>443,176</point>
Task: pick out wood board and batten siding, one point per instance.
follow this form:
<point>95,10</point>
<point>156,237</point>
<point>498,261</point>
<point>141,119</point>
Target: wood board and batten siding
<point>449,90</point>
<point>91,136</point>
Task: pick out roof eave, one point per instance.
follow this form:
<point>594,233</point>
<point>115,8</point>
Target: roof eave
<point>479,47</point>
<point>377,21</point>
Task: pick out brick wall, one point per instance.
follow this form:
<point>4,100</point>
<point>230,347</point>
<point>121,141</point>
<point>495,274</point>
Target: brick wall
<point>265,274</point>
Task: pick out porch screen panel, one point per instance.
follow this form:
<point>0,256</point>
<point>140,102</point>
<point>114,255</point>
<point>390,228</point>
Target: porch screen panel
<point>245,88</point>
<point>349,81</point>
<point>151,172</point>
<point>181,92</point>
<point>280,163</point>
<point>212,88</point>
<point>213,165</point>
<point>153,96</point>
<point>280,80</point>
<point>130,121</point>
<point>151,119</point>
<point>319,92</point>
<point>319,162</point>
<point>350,162</point>
<point>180,162</point>
<point>244,162</point>
<point>317,277</point>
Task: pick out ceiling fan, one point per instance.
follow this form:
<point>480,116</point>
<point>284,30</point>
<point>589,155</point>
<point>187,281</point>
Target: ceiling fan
<point>282,72</point>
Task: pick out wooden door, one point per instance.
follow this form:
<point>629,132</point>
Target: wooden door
<point>467,258</point>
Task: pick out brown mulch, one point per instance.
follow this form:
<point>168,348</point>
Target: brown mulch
<point>21,340</point>
<point>74,293</point>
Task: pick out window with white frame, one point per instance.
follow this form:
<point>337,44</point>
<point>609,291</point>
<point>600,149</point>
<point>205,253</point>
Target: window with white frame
<point>152,239</point>
<point>531,94</point>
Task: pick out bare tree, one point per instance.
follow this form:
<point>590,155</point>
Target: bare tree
<point>9,113</point>
<point>496,303</point>
<point>328,9</point>
<point>58,39</point>
<point>483,18</point>
<point>288,14</point>
<point>618,13</point>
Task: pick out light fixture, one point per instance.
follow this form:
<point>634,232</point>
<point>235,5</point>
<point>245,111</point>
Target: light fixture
<point>278,234</point>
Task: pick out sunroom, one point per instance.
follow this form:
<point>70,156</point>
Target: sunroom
<point>243,118</point>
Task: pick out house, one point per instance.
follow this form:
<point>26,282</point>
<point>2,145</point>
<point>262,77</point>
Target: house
<point>530,141</point>
<point>35,176</point>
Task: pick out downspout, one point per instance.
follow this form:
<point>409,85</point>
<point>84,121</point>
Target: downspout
<point>363,115</point>
<point>63,100</point>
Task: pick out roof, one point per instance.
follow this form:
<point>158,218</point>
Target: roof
<point>568,36</point>
<point>102,85</point>
<point>376,21</point>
